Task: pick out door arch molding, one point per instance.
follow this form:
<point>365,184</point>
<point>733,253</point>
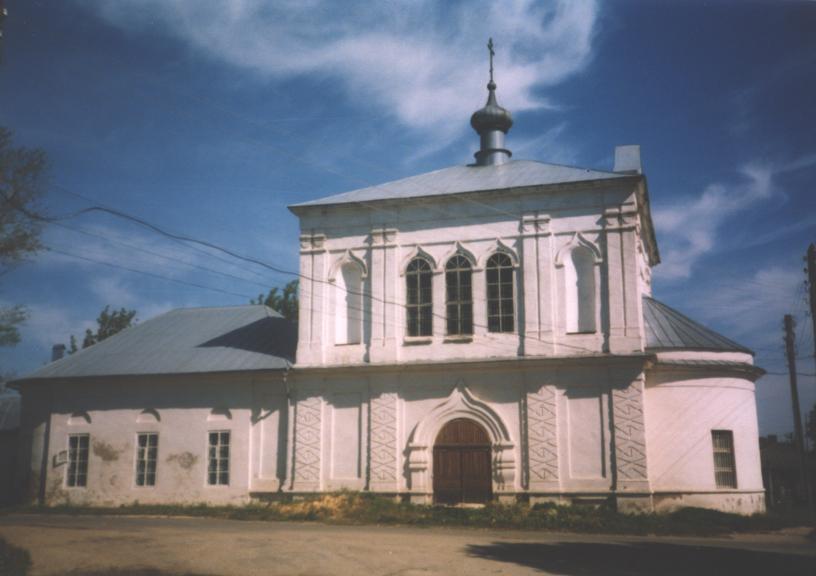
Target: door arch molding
<point>461,403</point>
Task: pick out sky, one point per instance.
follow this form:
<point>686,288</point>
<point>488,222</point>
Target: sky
<point>207,118</point>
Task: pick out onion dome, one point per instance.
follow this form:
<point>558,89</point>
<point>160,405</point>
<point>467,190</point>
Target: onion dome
<point>491,123</point>
<point>492,116</point>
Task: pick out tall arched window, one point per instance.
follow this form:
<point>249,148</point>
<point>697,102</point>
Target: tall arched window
<point>348,319</point>
<point>499,273</point>
<point>419,297</point>
<point>579,275</point>
<point>459,295</point>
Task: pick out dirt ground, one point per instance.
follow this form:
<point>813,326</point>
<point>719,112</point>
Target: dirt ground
<point>98,545</point>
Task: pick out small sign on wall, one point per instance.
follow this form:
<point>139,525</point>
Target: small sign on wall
<point>60,458</point>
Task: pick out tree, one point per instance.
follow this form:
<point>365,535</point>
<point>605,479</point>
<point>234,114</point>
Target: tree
<point>10,317</point>
<point>285,301</point>
<point>21,179</point>
<point>108,324</point>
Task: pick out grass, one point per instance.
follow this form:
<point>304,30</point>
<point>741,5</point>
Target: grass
<point>363,508</point>
<point>13,561</point>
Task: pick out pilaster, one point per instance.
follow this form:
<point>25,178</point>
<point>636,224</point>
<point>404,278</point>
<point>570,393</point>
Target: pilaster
<point>307,446</point>
<point>625,322</point>
<point>629,437</point>
<point>383,278</point>
<point>542,439</point>
<point>383,459</point>
<point>536,325</point>
<point>311,320</point>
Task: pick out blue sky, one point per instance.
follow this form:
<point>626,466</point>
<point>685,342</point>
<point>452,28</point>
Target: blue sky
<point>207,118</point>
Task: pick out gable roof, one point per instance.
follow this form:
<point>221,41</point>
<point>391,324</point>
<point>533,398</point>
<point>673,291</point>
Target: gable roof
<point>471,178</point>
<point>668,329</point>
<point>185,341</point>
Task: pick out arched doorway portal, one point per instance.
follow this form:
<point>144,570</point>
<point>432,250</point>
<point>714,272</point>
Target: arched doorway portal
<point>461,463</point>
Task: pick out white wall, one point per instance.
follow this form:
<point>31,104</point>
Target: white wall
<point>681,411</point>
<point>532,225</point>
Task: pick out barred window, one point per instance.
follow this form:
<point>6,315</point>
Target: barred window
<point>146,455</point>
<point>459,300</point>
<point>77,460</point>
<point>419,297</point>
<point>725,468</point>
<point>500,293</point>
<point>218,459</point>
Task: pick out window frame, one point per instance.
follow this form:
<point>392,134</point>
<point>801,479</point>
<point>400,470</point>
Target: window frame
<point>459,267</point>
<point>143,454</point>
<point>725,474</point>
<point>421,324</point>
<point>214,454</point>
<point>77,467</point>
<point>506,321</point>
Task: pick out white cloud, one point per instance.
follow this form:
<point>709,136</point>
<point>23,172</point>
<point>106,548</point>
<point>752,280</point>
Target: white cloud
<point>752,307</point>
<point>422,61</point>
<point>553,145</point>
<point>690,229</point>
<point>48,325</point>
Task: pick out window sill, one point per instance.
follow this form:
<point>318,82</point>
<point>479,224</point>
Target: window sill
<point>582,333</point>
<point>458,339</point>
<point>417,340</point>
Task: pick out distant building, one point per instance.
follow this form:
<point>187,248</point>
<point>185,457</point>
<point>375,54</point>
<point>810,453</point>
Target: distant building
<point>478,332</point>
<point>782,474</point>
<point>9,441</point>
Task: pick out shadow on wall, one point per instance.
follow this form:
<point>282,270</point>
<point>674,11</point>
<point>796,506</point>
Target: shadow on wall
<point>643,559</point>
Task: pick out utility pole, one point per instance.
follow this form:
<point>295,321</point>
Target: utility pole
<point>811,274</point>
<point>790,341</point>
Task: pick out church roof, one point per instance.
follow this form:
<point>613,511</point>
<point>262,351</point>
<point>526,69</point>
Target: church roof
<point>471,178</point>
<point>186,341</point>
<point>668,329</point>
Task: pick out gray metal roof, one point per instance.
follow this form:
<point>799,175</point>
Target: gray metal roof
<point>668,329</point>
<point>187,340</point>
<point>472,178</point>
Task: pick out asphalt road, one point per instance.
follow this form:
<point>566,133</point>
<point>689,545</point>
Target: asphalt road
<point>97,545</point>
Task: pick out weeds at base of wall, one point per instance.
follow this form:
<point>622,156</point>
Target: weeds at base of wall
<point>13,561</point>
<point>361,508</point>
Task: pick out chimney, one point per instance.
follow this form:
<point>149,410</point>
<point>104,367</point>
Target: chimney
<point>57,352</point>
<point>627,159</point>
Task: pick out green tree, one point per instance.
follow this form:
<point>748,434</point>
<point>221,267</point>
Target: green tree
<point>284,301</point>
<point>108,323</point>
<point>21,186</point>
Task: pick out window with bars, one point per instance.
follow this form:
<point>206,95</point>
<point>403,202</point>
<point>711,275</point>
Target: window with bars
<point>419,297</point>
<point>725,467</point>
<point>146,455</point>
<point>218,458</point>
<point>459,296</point>
<point>77,473</point>
<point>499,271</point>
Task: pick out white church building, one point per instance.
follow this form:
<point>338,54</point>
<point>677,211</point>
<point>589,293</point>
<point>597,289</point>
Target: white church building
<point>481,332</point>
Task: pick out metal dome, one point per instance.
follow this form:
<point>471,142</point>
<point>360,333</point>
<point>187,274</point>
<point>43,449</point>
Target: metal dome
<point>492,116</point>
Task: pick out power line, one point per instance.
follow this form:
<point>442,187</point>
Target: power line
<point>151,274</point>
<point>153,253</point>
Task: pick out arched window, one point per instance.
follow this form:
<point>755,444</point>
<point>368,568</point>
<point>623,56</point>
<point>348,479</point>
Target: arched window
<point>419,298</point>
<point>348,298</point>
<point>499,273</point>
<point>459,296</point>
<point>579,275</point>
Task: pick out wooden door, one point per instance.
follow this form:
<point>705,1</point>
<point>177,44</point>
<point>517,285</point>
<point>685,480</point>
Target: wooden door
<point>461,464</point>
